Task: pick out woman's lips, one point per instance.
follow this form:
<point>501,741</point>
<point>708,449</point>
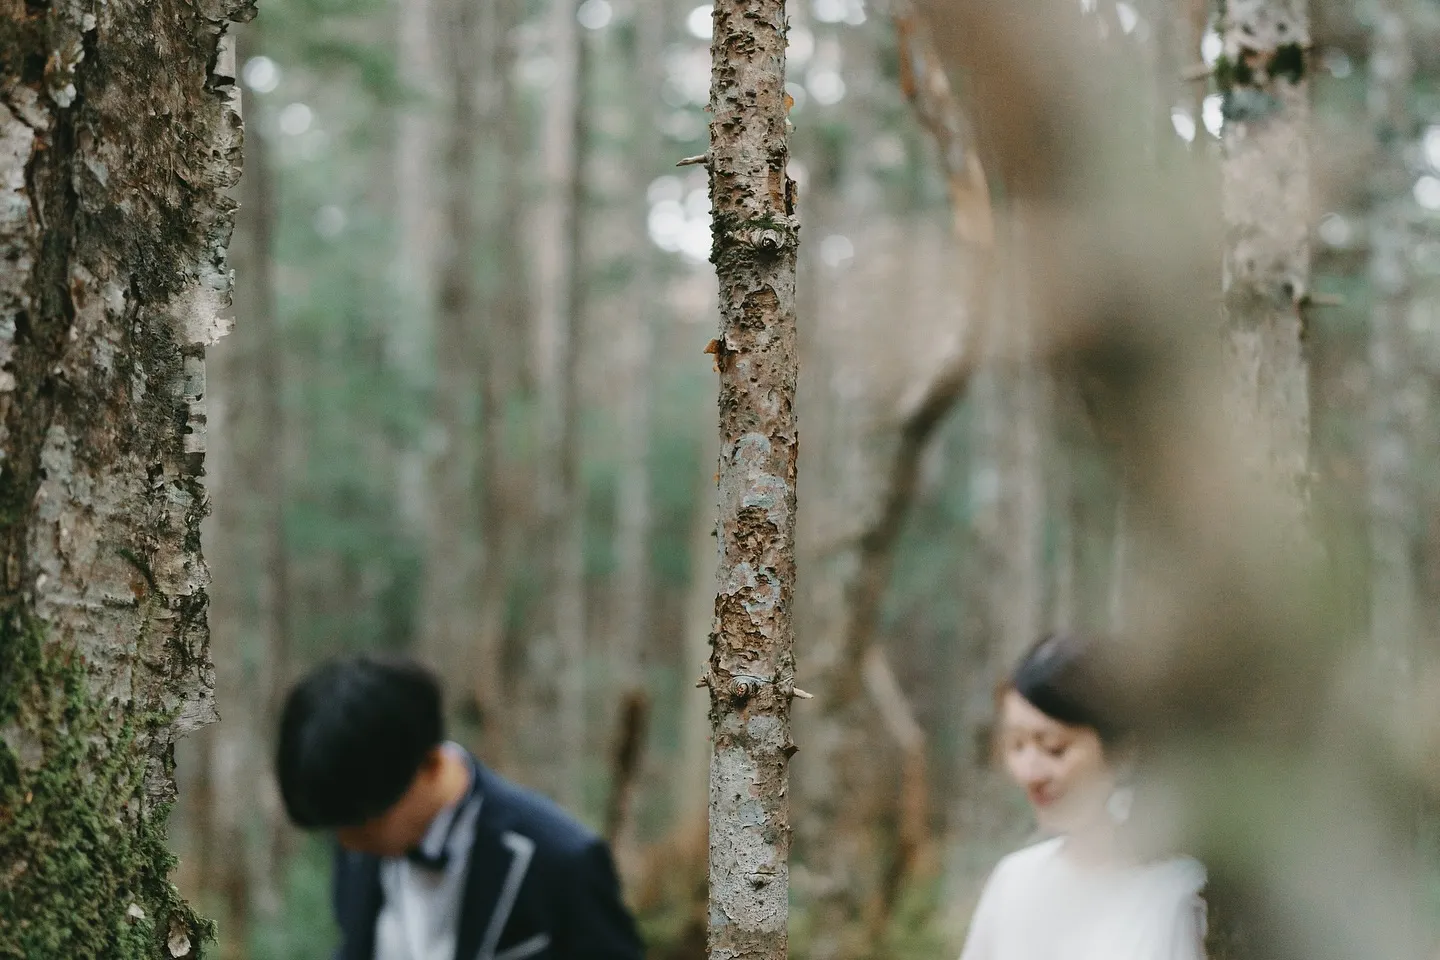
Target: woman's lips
<point>1040,797</point>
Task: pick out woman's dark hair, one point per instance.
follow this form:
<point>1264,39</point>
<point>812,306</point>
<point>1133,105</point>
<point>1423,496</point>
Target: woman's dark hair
<point>1060,677</point>
<point>353,735</point>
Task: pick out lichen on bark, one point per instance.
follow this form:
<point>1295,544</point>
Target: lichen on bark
<point>119,142</point>
<point>752,669</point>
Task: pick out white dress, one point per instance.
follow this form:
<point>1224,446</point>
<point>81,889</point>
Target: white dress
<point>1039,904</point>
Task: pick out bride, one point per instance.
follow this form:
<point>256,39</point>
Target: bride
<point>1079,895</point>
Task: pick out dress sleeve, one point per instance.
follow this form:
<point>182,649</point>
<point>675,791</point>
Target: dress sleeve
<point>1188,940</point>
<point>1187,937</point>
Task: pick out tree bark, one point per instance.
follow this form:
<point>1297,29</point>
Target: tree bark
<point>115,159</point>
<point>1265,174</point>
<point>752,666</point>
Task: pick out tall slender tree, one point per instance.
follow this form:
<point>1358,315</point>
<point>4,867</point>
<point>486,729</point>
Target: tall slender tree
<point>452,564</point>
<point>119,139</point>
<point>1394,519</point>
<point>505,510</point>
<point>1264,77</point>
<point>751,675</point>
<point>570,605</point>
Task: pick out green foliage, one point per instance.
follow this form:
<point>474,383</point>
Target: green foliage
<point>86,861</point>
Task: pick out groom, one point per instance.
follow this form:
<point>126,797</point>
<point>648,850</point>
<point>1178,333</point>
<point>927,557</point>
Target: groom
<point>440,859</point>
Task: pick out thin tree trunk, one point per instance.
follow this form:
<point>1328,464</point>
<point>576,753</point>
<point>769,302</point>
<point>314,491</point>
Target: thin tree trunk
<point>505,510</point>
<point>1266,207</point>
<point>752,666</point>
<point>1395,549</point>
<point>1393,523</point>
<point>553,664</point>
<point>269,455</point>
<point>417,145</point>
<point>114,161</point>
<point>570,607</point>
<point>451,563</point>
<point>629,652</point>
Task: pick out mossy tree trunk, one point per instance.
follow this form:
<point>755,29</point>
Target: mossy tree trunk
<point>751,675</point>
<point>119,139</point>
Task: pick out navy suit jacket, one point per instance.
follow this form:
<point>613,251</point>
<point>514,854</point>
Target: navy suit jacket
<point>540,887</point>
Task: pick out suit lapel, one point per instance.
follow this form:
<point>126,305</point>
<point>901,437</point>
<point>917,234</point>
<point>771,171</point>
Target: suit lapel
<point>500,858</point>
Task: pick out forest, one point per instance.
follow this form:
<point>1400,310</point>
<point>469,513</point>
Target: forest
<point>485,331</point>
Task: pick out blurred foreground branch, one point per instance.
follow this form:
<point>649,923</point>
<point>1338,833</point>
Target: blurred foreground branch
<point>1232,656</point>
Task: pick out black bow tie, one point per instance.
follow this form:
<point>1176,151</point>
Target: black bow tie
<point>439,861</point>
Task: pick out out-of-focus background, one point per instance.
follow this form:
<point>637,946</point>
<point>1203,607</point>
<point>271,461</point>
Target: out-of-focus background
<point>466,412</point>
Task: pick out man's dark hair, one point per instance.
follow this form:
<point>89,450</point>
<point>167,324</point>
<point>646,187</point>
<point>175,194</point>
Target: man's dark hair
<point>1060,677</point>
<point>353,735</point>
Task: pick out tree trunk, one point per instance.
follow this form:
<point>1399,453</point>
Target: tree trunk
<point>634,599</point>
<point>553,674</point>
<point>752,665</point>
<point>451,575</point>
<point>416,147</point>
<point>1395,516</point>
<point>570,607</point>
<point>1394,521</point>
<point>115,160</point>
<point>1264,76</point>
<point>505,509</point>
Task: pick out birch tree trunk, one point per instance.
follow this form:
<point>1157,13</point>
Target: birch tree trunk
<point>752,666</point>
<point>115,159</point>
<point>1265,175</point>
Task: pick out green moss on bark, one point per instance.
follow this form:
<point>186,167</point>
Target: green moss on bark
<point>84,864</point>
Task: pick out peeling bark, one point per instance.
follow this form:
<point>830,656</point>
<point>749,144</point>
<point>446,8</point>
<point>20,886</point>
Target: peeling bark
<point>119,137</point>
<point>752,667</point>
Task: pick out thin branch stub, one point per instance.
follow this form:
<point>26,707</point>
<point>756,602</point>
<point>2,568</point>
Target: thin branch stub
<point>694,161</point>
